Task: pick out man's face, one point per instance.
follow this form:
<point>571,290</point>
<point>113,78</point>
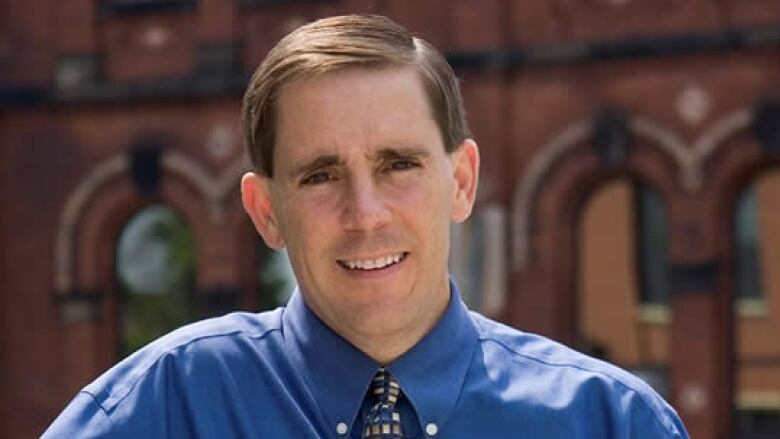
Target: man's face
<point>362,197</point>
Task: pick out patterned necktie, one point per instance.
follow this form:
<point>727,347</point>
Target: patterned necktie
<point>383,421</point>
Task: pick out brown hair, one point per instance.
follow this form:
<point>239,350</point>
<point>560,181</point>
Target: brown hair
<point>333,43</point>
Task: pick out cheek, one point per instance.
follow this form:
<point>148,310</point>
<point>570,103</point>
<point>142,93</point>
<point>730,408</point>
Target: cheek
<point>305,221</point>
<point>427,205</point>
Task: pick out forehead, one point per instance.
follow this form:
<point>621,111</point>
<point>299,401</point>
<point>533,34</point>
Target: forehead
<point>354,108</point>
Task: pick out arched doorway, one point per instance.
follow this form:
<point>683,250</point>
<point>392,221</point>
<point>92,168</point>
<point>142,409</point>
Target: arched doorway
<point>622,279</point>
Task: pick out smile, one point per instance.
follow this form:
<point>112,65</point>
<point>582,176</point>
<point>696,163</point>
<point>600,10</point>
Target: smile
<point>373,264</point>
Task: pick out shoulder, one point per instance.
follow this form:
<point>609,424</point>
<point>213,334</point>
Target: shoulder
<point>525,347</point>
<point>584,380</point>
<point>158,391</point>
<point>187,349</point>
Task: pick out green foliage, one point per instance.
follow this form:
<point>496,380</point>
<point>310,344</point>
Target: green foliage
<point>146,315</point>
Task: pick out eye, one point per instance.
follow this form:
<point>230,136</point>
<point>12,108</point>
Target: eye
<point>402,165</point>
<point>317,178</point>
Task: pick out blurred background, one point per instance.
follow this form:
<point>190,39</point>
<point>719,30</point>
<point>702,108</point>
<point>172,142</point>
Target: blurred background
<point>629,201</point>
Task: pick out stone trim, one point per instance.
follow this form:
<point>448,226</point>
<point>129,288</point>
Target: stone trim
<point>541,164</point>
<point>79,306</point>
<point>213,190</point>
<point>692,158</point>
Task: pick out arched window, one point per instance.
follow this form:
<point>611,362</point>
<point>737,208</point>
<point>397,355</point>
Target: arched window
<point>623,280</point>
<point>155,271</point>
<point>756,236</point>
<point>275,278</point>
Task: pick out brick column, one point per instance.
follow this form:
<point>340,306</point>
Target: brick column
<point>79,315</point>
<point>701,343</point>
<point>220,270</point>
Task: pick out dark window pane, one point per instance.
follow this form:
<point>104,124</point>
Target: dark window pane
<point>130,7</point>
<point>652,245</point>
<point>156,276</point>
<point>757,424</point>
<point>747,242</point>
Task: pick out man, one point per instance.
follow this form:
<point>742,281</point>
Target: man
<point>361,160</point>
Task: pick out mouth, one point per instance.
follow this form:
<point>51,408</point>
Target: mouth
<point>373,264</point>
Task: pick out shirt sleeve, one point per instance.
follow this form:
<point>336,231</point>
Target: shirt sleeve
<point>82,418</point>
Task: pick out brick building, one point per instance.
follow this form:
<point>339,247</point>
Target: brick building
<point>629,203</point>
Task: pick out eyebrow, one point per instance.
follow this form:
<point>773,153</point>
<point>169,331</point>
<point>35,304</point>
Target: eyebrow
<point>401,152</point>
<point>386,153</point>
<point>319,162</point>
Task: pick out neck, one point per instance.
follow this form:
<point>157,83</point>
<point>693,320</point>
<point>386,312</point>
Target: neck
<point>383,336</point>
<point>388,347</point>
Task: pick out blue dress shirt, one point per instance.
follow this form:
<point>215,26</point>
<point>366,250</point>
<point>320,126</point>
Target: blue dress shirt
<point>284,374</point>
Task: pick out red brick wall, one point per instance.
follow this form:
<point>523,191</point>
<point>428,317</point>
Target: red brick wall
<point>48,148</point>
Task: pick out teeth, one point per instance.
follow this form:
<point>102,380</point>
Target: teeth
<point>373,264</point>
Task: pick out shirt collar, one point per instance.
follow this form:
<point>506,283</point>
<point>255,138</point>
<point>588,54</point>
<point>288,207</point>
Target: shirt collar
<point>431,374</point>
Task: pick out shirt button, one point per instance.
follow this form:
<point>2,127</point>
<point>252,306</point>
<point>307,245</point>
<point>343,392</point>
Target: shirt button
<point>431,429</point>
<point>341,428</point>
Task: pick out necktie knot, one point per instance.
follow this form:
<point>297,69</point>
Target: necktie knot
<point>383,420</point>
<point>384,387</point>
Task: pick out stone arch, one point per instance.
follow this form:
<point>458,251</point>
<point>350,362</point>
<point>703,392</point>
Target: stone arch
<point>690,160</point>
<point>64,251</point>
<point>555,151</point>
<point>735,161</point>
<point>212,191</point>
<point>104,217</point>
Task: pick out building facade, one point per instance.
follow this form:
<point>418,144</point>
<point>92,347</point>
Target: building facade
<point>629,201</point>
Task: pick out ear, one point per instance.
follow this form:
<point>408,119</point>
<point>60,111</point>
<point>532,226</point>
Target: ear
<point>256,196</point>
<point>465,170</point>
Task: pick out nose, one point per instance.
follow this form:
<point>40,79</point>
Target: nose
<point>365,207</point>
